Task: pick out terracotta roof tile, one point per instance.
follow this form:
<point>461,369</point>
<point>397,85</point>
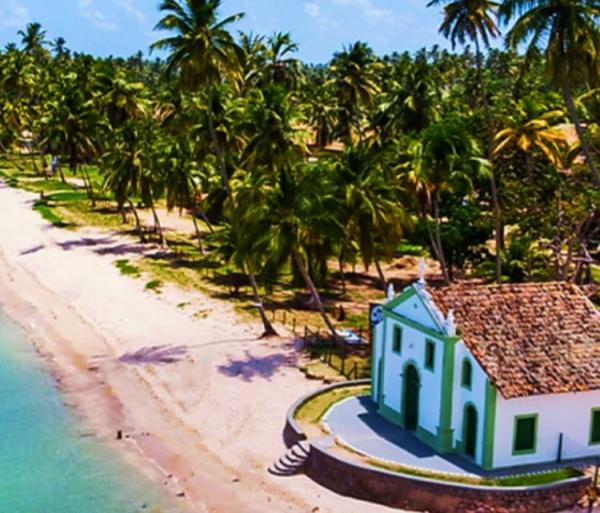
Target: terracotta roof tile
<point>531,339</point>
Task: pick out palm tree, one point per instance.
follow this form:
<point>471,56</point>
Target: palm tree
<point>371,214</point>
<point>33,39</point>
<point>444,161</point>
<point>281,67</point>
<point>283,216</point>
<point>318,106</point>
<point>202,51</point>
<point>354,82</point>
<point>531,131</point>
<point>273,143</point>
<point>473,20</point>
<point>566,32</point>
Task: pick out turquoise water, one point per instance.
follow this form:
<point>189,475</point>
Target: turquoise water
<point>46,465</point>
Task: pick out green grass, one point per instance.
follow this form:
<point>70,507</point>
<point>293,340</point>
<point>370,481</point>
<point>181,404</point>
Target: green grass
<point>154,285</point>
<point>49,215</point>
<point>312,411</point>
<point>126,268</point>
<point>541,478</point>
<point>406,248</point>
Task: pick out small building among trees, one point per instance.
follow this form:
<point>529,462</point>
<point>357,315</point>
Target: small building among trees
<point>506,375</point>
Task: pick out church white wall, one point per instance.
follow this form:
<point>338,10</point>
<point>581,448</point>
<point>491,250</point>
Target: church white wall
<point>377,342</point>
<point>462,396</point>
<point>414,310</point>
<point>569,414</point>
<point>413,350</point>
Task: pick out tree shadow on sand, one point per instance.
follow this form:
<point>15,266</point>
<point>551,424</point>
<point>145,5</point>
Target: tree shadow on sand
<point>158,355</point>
<point>256,367</point>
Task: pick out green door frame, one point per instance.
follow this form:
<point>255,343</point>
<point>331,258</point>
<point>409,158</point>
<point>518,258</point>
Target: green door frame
<point>411,397</point>
<point>469,441</point>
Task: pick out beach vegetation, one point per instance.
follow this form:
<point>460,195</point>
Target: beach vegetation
<point>308,189</point>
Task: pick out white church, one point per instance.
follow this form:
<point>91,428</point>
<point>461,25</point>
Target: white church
<point>505,375</point>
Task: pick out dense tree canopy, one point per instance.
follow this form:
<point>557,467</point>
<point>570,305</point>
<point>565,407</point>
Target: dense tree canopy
<point>488,158</point>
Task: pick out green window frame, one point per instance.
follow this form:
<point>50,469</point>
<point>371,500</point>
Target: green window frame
<point>595,426</point>
<point>397,339</point>
<point>430,355</point>
<point>466,374</point>
<point>525,433</point>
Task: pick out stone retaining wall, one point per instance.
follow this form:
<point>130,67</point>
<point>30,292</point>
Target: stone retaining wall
<point>414,493</point>
<point>293,432</point>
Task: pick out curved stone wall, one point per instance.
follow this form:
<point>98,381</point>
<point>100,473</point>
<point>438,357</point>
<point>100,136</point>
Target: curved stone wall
<point>416,493</point>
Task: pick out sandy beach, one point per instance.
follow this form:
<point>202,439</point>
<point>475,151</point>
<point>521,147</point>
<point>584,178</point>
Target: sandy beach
<point>200,400</point>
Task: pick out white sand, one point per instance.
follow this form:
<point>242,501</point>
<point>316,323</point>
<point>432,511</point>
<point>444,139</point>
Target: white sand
<point>213,418</point>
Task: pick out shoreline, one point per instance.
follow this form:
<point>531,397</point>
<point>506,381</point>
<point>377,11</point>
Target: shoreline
<point>209,416</point>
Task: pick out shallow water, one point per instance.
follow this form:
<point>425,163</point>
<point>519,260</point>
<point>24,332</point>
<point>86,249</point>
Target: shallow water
<point>49,463</point>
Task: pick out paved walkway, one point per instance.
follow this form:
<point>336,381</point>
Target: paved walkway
<point>356,422</point>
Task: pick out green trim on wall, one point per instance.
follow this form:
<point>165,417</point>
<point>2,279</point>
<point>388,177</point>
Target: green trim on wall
<point>445,432</point>
<point>466,364</point>
<point>489,426</point>
<point>590,440</point>
<point>406,294</point>
<point>463,444</point>
<point>397,336</point>
<point>380,395</point>
<point>429,362</point>
<point>393,416</point>
<point>374,364</point>
<point>429,439</point>
<point>412,324</point>
<point>523,452</point>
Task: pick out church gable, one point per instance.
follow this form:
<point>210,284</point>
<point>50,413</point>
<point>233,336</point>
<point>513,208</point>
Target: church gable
<point>415,304</point>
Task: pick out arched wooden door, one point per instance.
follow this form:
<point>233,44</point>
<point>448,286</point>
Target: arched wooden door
<point>412,388</point>
<point>470,430</point>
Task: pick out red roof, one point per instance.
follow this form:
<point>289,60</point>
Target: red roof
<point>530,339</point>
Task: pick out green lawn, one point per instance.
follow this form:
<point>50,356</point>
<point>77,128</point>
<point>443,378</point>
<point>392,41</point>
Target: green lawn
<point>541,478</point>
<point>312,411</point>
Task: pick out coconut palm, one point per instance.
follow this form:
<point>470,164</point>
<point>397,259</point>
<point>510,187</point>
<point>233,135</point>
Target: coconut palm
<point>566,32</point>
<point>355,85</point>
<point>274,142</point>
<point>371,214</point>
<point>281,67</point>
<point>531,131</point>
<point>201,51</point>
<point>33,39</point>
<point>446,160</point>
<point>473,20</point>
<point>283,216</point>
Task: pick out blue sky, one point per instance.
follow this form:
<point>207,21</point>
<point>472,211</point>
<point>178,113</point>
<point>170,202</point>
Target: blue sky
<point>321,27</point>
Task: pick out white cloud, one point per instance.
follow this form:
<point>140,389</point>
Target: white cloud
<point>13,14</point>
<point>130,7</point>
<point>314,11</point>
<point>370,10</point>
<point>88,10</point>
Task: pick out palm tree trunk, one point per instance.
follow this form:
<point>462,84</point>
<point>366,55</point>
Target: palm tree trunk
<point>158,227</point>
<point>198,233</point>
<point>342,273</point>
<point>493,179</point>
<point>585,148</point>
<point>438,246</point>
<point>89,187</point>
<point>380,273</point>
<point>315,295</point>
<point>269,331</point>
<point>200,212</point>
<point>215,140</point>
<point>138,224</point>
